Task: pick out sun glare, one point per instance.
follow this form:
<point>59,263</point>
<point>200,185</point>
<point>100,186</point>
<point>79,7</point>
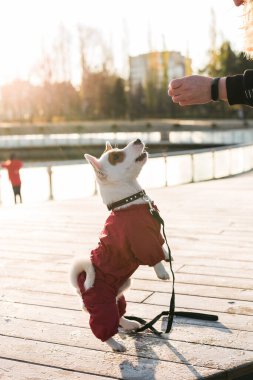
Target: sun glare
<point>28,29</point>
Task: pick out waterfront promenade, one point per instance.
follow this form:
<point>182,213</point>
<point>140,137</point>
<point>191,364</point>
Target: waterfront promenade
<point>44,335</point>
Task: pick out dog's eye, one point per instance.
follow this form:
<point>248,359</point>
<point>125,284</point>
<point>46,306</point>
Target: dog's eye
<point>116,157</point>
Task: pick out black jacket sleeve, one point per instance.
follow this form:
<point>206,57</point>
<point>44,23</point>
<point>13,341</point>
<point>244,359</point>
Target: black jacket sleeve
<point>240,88</point>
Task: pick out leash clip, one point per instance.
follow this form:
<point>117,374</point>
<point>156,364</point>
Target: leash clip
<point>150,203</point>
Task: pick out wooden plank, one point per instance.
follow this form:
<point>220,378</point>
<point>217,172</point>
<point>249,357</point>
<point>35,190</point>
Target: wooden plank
<point>219,281</point>
<point>23,267</point>
<point>32,290</point>
<point>212,252</point>
<point>24,256</point>
<point>76,317</point>
<point>209,249</point>
<point>51,298</point>
<point>63,276</point>
<point>29,253</point>
<point>195,290</point>
<point>23,260</point>
<point>57,333</point>
<point>223,238</point>
<point>10,370</point>
<point>106,363</point>
<point>229,272</point>
<point>212,304</point>
<point>157,298</point>
<point>212,239</point>
<point>140,274</point>
<point>57,247</point>
<point>215,262</point>
<point>13,271</point>
<point>208,355</point>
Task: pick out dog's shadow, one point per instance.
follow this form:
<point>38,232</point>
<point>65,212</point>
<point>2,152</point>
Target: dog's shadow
<point>148,359</point>
<point>152,351</point>
<point>143,366</point>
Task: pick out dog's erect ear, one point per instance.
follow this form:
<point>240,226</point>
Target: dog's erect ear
<point>96,165</point>
<point>107,146</point>
<point>93,161</point>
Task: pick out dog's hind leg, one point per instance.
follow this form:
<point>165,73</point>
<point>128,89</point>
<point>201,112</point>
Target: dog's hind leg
<point>116,346</point>
<point>124,287</point>
<point>123,322</point>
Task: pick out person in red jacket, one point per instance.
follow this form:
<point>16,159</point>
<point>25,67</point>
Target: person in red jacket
<point>13,165</point>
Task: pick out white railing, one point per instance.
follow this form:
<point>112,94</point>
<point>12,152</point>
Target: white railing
<point>75,179</point>
<point>233,136</point>
<point>75,139</point>
<point>227,137</point>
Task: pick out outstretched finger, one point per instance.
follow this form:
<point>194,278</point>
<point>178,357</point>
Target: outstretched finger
<point>175,83</point>
<point>177,98</point>
<point>170,92</point>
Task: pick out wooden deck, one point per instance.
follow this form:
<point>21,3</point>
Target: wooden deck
<point>45,336</point>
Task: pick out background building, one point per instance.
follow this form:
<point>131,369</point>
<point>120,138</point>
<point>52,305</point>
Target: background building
<point>158,68</point>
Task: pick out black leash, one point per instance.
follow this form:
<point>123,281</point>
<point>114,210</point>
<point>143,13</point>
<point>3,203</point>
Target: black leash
<point>171,313</point>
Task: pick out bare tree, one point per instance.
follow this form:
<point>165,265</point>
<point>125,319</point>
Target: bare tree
<point>88,42</point>
<point>44,68</point>
<point>213,31</point>
<point>62,54</point>
<point>125,49</point>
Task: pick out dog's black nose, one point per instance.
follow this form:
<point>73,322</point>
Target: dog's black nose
<point>138,141</point>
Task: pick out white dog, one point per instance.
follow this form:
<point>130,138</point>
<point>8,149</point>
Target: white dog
<point>131,237</point>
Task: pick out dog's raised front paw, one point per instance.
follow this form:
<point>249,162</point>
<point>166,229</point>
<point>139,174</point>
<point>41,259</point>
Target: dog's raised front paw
<point>164,276</point>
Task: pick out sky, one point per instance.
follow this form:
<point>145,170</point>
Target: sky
<point>29,29</point>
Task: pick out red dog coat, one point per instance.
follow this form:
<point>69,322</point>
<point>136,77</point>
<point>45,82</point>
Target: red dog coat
<point>131,237</point>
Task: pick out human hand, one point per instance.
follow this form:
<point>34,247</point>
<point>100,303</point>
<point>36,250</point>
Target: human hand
<point>194,89</point>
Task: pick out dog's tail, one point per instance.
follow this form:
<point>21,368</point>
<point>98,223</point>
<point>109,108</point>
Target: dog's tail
<point>82,265</point>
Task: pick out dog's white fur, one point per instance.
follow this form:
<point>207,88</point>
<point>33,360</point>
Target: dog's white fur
<point>116,173</point>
